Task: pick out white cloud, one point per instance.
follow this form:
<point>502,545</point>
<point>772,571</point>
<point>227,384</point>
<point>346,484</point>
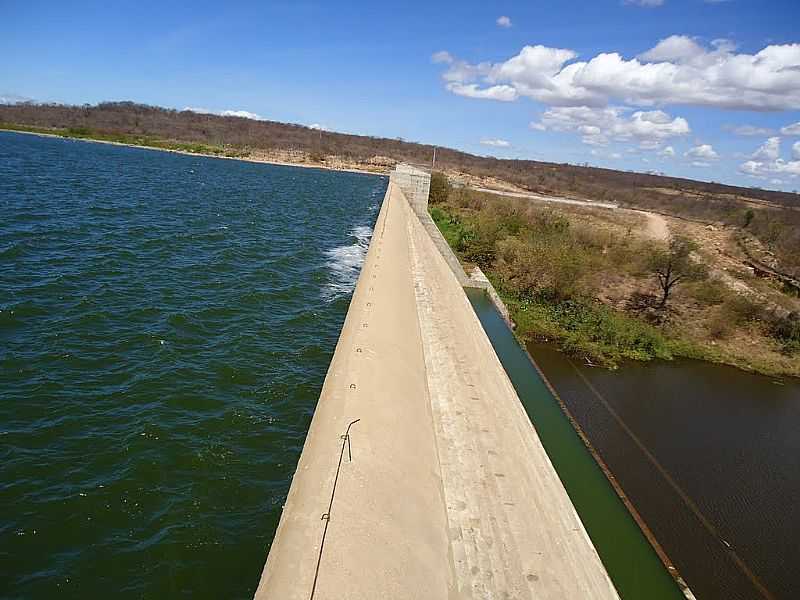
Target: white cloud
<point>766,161</point>
<point>769,150</point>
<point>677,48</point>
<point>704,152</point>
<point>241,113</point>
<point>602,154</point>
<point>497,143</point>
<point>504,21</point>
<point>600,126</point>
<point>503,93</point>
<point>226,113</point>
<point>793,129</point>
<point>443,57</point>
<point>700,164</point>
<point>678,70</point>
<point>668,152</point>
<point>748,130</point>
<point>13,99</point>
<point>645,3</point>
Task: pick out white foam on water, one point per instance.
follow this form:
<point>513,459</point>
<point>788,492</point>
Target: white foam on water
<point>344,264</point>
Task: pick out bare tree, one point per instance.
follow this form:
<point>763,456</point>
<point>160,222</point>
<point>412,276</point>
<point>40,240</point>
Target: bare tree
<point>674,264</point>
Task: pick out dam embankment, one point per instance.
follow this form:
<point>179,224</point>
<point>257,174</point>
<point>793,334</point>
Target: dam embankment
<point>422,476</point>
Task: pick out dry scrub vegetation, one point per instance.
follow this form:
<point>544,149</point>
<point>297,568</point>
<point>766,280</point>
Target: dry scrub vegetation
<point>590,279</point>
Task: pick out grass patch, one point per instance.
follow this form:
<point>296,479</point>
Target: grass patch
<point>591,330</point>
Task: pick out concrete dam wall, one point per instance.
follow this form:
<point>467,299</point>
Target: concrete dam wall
<point>422,476</point>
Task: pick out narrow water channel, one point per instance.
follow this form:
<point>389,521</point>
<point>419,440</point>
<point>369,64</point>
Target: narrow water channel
<point>632,563</point>
<point>710,457</point>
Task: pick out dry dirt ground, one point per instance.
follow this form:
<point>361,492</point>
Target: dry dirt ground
<point>747,345</point>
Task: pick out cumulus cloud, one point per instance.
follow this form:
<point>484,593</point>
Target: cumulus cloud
<point>503,21</point>
<point>668,152</point>
<point>600,126</point>
<point>497,143</point>
<point>769,150</point>
<point>748,130</point>
<point>225,113</point>
<point>703,152</point>
<point>701,164</point>
<point>766,161</point>
<point>503,93</point>
<point>678,48</point>
<point>793,129</point>
<point>678,70</point>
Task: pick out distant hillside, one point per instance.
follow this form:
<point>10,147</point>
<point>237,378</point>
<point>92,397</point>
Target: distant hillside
<point>779,229</point>
<point>131,118</point>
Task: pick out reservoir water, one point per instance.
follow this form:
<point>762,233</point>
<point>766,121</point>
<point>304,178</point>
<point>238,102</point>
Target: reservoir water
<point>166,322</point>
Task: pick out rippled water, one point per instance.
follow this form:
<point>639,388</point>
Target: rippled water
<point>166,322</point>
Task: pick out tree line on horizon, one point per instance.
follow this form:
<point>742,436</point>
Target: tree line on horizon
<point>780,229</point>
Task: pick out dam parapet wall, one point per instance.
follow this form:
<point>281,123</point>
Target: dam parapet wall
<point>416,184</point>
<point>421,475</point>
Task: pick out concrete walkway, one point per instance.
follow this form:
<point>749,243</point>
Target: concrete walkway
<point>449,494</point>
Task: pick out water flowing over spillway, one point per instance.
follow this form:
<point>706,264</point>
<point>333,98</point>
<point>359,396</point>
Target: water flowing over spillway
<point>166,322</point>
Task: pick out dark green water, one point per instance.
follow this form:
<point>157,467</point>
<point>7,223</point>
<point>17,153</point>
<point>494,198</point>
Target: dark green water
<point>166,323</point>
<point>709,455</point>
<point>636,570</point>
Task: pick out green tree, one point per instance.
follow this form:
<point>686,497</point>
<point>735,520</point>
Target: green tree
<point>674,264</point>
<point>440,188</point>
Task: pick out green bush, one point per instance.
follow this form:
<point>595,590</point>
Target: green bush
<point>440,188</point>
<point>590,329</point>
<point>787,331</point>
<point>720,325</point>
<point>709,292</point>
<point>738,309</point>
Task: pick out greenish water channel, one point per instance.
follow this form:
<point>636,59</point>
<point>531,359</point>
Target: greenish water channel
<point>629,558</point>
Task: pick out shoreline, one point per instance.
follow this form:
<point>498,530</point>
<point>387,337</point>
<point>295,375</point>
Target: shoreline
<point>321,166</point>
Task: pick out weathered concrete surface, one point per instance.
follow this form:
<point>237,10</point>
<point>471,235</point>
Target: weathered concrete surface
<point>449,494</point>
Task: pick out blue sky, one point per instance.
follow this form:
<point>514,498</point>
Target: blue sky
<point>687,76</point>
